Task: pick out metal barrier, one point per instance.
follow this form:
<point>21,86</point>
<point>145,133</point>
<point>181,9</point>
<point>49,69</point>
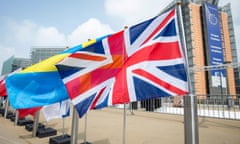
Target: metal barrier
<point>208,106</point>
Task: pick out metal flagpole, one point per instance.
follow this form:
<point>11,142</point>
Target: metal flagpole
<point>63,126</point>
<point>16,117</point>
<point>85,125</point>
<point>74,132</point>
<point>6,107</point>
<point>124,115</point>
<point>1,102</point>
<point>35,123</point>
<point>85,131</point>
<point>124,124</point>
<point>190,108</point>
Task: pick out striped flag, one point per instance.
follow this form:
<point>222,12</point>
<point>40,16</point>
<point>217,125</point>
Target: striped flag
<point>3,91</point>
<point>56,110</point>
<point>142,62</point>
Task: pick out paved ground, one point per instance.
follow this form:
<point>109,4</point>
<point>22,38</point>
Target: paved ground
<point>105,127</point>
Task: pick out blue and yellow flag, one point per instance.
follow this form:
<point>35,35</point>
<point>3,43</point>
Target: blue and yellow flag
<point>39,84</point>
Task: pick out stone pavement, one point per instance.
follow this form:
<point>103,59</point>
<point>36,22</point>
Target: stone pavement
<point>105,127</point>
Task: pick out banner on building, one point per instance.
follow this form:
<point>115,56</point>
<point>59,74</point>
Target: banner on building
<point>214,45</point>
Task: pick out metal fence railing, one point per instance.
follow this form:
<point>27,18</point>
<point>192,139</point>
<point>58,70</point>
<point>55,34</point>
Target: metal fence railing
<point>207,106</point>
<point>217,106</point>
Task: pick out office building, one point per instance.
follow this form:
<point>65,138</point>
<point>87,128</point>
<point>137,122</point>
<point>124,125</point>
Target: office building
<point>227,9</point>
<point>20,63</point>
<point>38,54</point>
<point>7,65</point>
<point>210,46</point>
<point>13,64</point>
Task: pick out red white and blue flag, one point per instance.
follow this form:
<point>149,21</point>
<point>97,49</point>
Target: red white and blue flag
<point>3,91</point>
<point>142,62</point>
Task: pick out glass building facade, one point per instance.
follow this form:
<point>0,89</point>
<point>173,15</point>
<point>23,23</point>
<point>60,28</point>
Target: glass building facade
<point>198,53</point>
<point>38,54</point>
<point>21,63</point>
<point>7,65</point>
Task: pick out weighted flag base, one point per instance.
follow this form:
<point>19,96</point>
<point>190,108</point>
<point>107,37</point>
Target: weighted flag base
<point>23,122</point>
<point>86,142</point>
<point>10,115</point>
<point>2,110</point>
<point>29,127</point>
<point>62,139</point>
<point>46,132</point>
<point>13,118</point>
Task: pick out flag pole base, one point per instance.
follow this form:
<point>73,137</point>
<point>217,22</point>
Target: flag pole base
<point>10,115</point>
<point>29,127</point>
<point>46,132</point>
<point>2,110</point>
<point>62,139</point>
<point>86,142</point>
<point>23,122</point>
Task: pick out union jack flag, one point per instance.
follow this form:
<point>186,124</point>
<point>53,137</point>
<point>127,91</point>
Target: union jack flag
<point>141,62</point>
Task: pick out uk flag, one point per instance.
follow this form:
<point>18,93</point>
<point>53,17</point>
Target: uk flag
<point>141,62</point>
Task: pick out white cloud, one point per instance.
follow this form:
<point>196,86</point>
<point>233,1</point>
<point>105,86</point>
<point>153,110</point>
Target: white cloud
<point>20,37</point>
<point>23,35</point>
<point>29,34</point>
<point>133,11</point>
<point>92,28</point>
<point>22,32</point>
<point>16,38</point>
<point>49,36</point>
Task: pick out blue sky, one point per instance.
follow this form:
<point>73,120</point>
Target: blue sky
<point>56,23</point>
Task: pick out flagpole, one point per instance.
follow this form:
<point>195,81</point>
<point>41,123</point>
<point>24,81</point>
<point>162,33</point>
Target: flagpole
<point>85,131</point>
<point>124,123</point>
<point>124,114</point>
<point>63,126</point>
<point>190,108</point>
<point>74,132</point>
<point>1,102</point>
<point>6,107</point>
<point>16,117</point>
<point>35,123</point>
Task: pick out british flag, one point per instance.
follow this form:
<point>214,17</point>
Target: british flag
<point>141,62</point>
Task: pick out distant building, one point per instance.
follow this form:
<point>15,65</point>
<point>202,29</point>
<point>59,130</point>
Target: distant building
<point>227,9</point>
<point>7,65</point>
<point>210,41</point>
<point>13,64</point>
<point>20,63</point>
<point>237,79</point>
<point>38,54</point>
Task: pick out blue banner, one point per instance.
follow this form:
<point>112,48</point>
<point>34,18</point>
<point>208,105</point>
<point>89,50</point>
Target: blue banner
<point>215,49</point>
